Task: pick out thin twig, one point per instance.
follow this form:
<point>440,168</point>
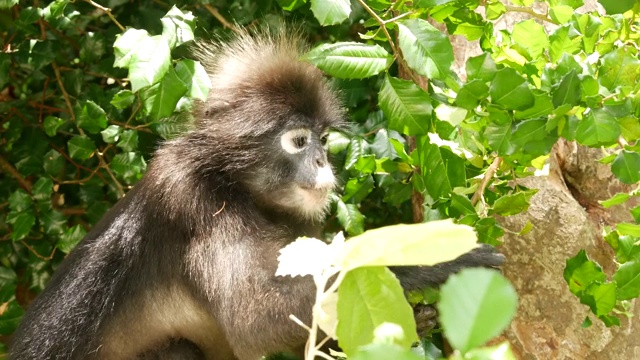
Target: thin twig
<point>47,258</point>
<point>69,159</point>
<point>382,26</point>
<point>108,12</point>
<point>9,169</point>
<point>65,94</point>
<point>105,166</point>
<point>528,10</point>
<point>398,17</point>
<point>488,175</point>
<point>216,14</point>
<point>143,128</point>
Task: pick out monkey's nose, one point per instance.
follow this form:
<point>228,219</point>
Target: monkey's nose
<point>321,162</point>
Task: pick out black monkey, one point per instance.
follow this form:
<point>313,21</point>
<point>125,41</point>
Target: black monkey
<point>183,266</point>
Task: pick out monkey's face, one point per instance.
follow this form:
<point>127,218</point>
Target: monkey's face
<point>295,176</point>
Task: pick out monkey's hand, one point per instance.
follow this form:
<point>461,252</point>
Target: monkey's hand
<point>420,277</point>
<point>426,319</point>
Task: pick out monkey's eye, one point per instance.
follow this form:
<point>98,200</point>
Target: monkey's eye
<point>324,139</point>
<point>295,141</point>
<point>299,141</point>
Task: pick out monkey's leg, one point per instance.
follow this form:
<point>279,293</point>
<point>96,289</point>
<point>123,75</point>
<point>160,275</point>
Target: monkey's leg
<point>178,349</point>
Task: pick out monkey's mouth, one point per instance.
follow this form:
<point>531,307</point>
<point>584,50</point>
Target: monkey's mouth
<point>315,190</point>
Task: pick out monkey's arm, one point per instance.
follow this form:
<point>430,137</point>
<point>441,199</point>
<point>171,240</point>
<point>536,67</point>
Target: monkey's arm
<point>420,277</point>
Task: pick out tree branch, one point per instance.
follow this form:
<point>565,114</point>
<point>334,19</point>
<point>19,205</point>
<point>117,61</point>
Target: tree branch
<point>9,169</point>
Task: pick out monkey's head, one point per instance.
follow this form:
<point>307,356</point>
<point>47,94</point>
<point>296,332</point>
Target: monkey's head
<point>268,116</point>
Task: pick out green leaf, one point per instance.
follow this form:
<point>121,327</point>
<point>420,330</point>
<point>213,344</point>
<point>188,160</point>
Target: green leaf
<point>123,99</point>
<point>406,245</point>
<point>178,26</point>
<point>617,6</point>
<point>511,90</point>
<point>330,12</point>
<point>628,229</point>
<point>475,306</point>
<point>498,131</point>
<point>149,62</point>
<point>635,212</point>
<point>358,147</point>
<point>489,231</point>
<point>19,201</point>
<point>129,165</point>
<point>71,238</point>
<point>367,298</point>
<point>111,134</point>
<point>128,140</point>
<point>481,67</point>
<point>426,49</point>
<point>616,199</point>
<point>10,318</point>
<point>81,147</point>
<point>513,204</point>
<point>193,74</point>
<point>357,189</point>
<point>542,106</point>
<point>54,163</point>
<point>626,167</point>
<point>601,298</point>
<point>349,60</point>
<point>160,100</point>
<point>54,10</point>
<point>529,131</point>
<point>471,93</point>
<point>580,272</point>
<point>384,351</point>
<point>619,68</point>
<point>568,92</point>
<point>597,128</point>
<point>407,107</point>
<point>290,5</point>
<point>565,40</point>
<point>350,218</point>
<point>53,222</point>
<point>609,320</point>
<point>92,118</point>
<point>22,223</point>
<point>126,45</point>
<point>628,280</point>
<point>530,39</point>
<point>52,124</point>
<point>6,4</point>
<point>42,189</point>
<point>561,13</point>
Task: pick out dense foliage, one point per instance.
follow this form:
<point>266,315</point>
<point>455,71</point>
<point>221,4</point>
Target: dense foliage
<point>87,92</point>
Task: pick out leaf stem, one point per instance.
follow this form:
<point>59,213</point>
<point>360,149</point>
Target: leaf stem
<point>491,171</point>
<point>382,25</point>
<point>528,10</point>
<point>108,12</point>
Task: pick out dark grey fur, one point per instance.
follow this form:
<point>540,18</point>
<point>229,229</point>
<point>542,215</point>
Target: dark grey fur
<point>183,267</point>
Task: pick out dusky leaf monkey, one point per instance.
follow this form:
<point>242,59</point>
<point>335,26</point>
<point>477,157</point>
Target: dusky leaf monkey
<point>183,267</point>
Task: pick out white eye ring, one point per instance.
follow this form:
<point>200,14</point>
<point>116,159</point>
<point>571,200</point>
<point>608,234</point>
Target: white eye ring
<point>294,141</point>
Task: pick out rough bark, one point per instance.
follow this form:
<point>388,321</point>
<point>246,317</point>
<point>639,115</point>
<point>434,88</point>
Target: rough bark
<point>566,217</point>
